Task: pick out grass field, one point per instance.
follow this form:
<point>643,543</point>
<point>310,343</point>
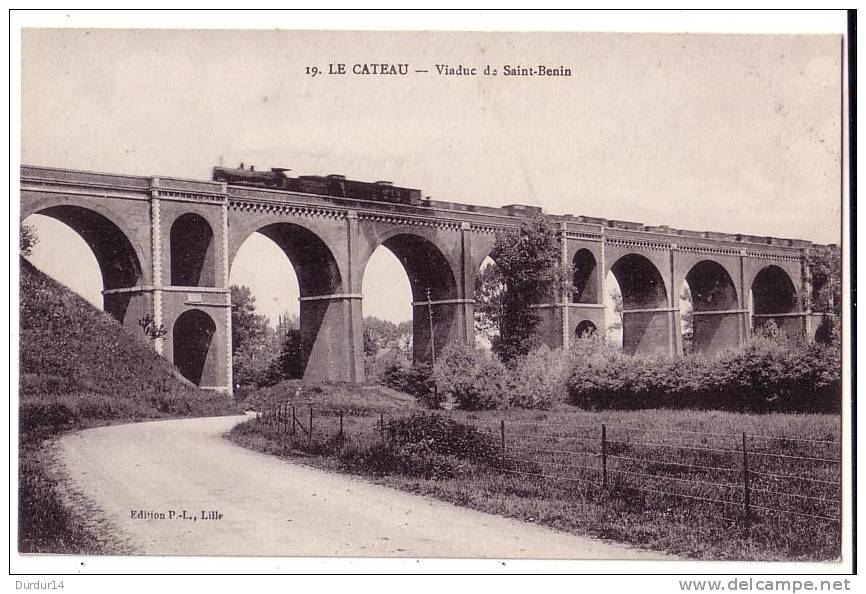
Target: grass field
<point>674,478</point>
<point>79,368</point>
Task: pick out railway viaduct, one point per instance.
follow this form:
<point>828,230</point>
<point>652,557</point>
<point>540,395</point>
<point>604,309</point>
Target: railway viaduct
<point>165,247</point>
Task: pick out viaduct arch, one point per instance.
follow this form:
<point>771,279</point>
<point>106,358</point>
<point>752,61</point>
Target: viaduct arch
<point>165,247</point>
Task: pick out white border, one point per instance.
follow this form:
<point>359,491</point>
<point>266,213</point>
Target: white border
<point>668,21</point>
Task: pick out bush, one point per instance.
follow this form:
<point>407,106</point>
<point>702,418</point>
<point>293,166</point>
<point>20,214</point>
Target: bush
<point>471,378</point>
<point>769,373</point>
<point>411,459</point>
<point>28,239</point>
<point>396,372</point>
<point>45,416</point>
<point>443,436</point>
<point>425,445</point>
<point>387,368</point>
<point>540,378</point>
<point>785,376</point>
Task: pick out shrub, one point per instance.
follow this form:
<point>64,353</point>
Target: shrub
<point>768,373</point>
<point>372,370</point>
<point>396,372</point>
<point>471,378</point>
<point>540,378</point>
<point>788,376</point>
<point>388,368</point>
<point>28,239</point>
<point>443,436</point>
<point>47,416</point>
<point>425,445</point>
<point>598,375</point>
<point>411,459</point>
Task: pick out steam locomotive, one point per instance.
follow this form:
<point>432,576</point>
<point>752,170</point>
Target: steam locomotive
<point>330,185</point>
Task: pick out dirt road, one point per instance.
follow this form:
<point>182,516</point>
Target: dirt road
<point>180,488</point>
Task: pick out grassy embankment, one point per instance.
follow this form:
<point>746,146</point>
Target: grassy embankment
<point>80,368</point>
<point>645,454</point>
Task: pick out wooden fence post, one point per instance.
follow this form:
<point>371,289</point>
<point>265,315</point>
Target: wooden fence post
<point>294,421</point>
<point>604,455</point>
<point>382,426</point>
<point>747,503</point>
<point>310,434</point>
<point>341,424</point>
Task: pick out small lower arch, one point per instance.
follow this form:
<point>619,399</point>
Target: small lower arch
<point>585,329</point>
<point>194,351</point>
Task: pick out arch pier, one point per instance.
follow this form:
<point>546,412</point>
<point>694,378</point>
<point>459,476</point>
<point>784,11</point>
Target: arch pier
<point>165,246</point>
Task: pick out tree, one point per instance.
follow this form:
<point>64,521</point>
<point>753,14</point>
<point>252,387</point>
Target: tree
<point>291,361</point>
<point>287,321</point>
<point>150,329</point>
<point>825,267</point>
<point>687,316</point>
<point>489,302</point>
<point>825,273</point>
<point>28,239</point>
<point>529,259</point>
<point>384,335</point>
<point>254,345</point>
<point>613,332</point>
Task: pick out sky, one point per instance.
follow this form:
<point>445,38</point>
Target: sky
<point>731,133</point>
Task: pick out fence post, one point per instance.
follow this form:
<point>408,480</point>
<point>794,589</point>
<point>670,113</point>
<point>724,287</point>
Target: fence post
<point>502,434</point>
<point>382,426</point>
<point>294,420</point>
<point>604,455</point>
<point>310,434</point>
<point>747,503</point>
<point>341,424</point>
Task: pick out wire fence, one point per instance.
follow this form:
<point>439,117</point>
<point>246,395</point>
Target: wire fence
<point>735,477</point>
<point>744,476</point>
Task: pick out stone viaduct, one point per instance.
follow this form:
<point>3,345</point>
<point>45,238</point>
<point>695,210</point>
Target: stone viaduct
<point>165,247</point>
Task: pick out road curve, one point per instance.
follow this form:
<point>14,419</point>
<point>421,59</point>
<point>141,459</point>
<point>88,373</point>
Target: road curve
<point>247,503</point>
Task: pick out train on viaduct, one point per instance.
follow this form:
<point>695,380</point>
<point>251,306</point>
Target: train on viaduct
<point>165,247</point>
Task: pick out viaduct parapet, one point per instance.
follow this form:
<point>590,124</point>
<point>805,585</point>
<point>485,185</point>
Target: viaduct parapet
<point>165,247</point>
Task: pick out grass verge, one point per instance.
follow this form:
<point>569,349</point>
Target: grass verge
<point>629,509</point>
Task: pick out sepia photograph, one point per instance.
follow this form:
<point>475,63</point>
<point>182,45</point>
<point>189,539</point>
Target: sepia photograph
<point>570,295</point>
